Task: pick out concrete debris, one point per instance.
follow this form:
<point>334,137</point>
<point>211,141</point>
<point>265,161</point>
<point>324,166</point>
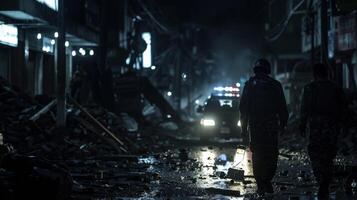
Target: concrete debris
<point>106,155</point>
<point>235,174</point>
<point>47,160</point>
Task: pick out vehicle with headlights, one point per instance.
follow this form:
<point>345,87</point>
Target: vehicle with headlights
<point>220,114</point>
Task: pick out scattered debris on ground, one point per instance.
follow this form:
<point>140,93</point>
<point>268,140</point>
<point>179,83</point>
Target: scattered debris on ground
<point>104,155</point>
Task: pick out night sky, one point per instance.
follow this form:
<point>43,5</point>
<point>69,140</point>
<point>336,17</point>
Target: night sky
<point>230,29</point>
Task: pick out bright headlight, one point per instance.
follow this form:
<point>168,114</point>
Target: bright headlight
<point>208,122</point>
<point>239,123</point>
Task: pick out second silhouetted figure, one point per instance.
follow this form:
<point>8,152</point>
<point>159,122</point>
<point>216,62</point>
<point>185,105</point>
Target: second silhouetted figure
<point>323,108</point>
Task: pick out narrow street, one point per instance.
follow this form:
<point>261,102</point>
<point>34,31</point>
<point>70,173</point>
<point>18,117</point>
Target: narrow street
<point>178,99</point>
<point>196,170</point>
<point>164,162</point>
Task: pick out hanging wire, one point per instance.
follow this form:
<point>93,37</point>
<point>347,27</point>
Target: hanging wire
<point>282,26</point>
<point>152,17</point>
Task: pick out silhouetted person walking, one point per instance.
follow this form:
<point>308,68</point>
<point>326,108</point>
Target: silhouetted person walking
<point>264,112</point>
<point>322,109</point>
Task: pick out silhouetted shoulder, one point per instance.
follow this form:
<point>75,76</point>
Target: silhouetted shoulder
<point>249,82</point>
<point>276,83</point>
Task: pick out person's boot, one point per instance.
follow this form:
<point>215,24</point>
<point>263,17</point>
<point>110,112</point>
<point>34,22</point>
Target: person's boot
<point>260,188</point>
<point>260,191</point>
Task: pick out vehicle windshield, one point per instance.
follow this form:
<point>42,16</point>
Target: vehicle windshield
<point>221,104</point>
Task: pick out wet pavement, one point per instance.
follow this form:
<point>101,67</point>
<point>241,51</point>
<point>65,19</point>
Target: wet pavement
<point>192,169</point>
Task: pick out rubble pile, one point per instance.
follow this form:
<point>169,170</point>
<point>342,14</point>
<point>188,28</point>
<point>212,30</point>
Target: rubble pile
<point>103,155</point>
<point>16,108</point>
<point>92,157</point>
<point>35,134</point>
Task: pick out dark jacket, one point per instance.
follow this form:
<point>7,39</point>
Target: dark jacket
<point>322,100</point>
<point>263,102</point>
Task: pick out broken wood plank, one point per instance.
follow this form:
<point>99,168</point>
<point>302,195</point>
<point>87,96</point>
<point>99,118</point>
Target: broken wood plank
<point>91,128</point>
<point>96,121</point>
<point>44,110</point>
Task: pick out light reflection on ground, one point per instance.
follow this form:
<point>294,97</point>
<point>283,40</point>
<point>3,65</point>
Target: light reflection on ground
<point>203,170</point>
<point>211,175</point>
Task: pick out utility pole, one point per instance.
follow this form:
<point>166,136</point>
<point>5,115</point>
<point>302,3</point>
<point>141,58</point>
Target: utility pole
<point>61,67</point>
<point>324,31</point>
<point>189,88</point>
<point>312,31</point>
<point>178,81</point>
<point>103,36</point>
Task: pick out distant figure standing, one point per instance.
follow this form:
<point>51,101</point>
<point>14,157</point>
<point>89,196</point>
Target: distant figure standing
<point>76,84</point>
<point>264,112</point>
<point>130,96</point>
<point>80,86</point>
<point>322,108</point>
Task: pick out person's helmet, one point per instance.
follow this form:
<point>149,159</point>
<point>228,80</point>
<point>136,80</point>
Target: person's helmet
<point>262,65</point>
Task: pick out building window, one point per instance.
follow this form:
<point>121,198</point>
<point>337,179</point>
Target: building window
<point>53,4</point>
<point>8,34</point>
